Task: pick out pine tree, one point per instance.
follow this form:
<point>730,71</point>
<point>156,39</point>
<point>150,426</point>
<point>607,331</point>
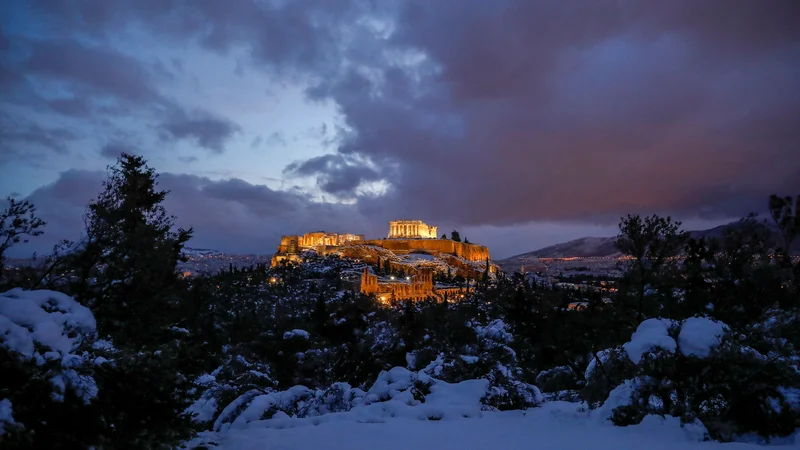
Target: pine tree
<point>455,236</point>
<point>134,253</point>
<point>651,242</point>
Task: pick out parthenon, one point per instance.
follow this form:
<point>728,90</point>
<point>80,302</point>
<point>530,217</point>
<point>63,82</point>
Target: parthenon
<point>411,229</point>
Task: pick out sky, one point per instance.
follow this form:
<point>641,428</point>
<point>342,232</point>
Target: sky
<point>519,123</point>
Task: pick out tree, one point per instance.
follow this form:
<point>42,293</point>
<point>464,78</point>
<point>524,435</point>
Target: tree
<point>650,242</point>
<point>17,223</point>
<point>785,211</point>
<point>444,236</point>
<point>455,236</point>
<point>132,252</point>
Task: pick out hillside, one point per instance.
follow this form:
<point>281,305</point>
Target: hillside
<point>604,247</point>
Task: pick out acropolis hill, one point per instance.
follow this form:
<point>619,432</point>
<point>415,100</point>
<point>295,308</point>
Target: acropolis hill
<point>411,246</point>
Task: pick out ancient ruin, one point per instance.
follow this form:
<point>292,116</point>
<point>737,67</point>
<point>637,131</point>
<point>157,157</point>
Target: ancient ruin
<point>416,287</point>
<point>411,229</point>
<point>290,246</point>
<point>412,247</point>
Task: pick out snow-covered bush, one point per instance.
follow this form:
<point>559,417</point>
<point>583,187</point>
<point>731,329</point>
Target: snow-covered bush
<point>46,364</point>
<point>697,370</point>
<point>490,358</point>
<point>398,392</point>
<point>604,373</point>
<point>560,383</point>
<point>237,376</point>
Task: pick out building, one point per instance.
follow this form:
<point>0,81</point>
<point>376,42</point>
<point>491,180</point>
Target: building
<point>415,287</point>
<point>310,240</point>
<point>411,229</point>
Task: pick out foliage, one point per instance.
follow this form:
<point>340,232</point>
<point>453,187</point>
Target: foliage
<point>18,222</point>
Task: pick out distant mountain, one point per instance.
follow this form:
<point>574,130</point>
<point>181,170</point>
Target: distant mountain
<point>603,247</point>
<point>585,247</point>
<point>188,251</point>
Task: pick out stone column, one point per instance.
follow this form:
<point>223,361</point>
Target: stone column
<point>391,230</point>
<point>416,230</point>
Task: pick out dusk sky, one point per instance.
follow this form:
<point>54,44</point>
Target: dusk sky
<point>519,123</point>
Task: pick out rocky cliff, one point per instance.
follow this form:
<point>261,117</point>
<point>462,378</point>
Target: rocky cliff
<point>470,252</point>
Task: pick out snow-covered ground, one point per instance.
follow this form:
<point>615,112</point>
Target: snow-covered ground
<point>555,425</point>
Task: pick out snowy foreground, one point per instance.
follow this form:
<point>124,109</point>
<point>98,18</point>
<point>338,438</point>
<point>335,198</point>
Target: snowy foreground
<point>555,425</point>
<point>388,417</point>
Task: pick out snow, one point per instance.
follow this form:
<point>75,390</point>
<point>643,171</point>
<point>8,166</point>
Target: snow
<point>699,335</point>
<point>296,333</point>
<point>469,359</point>
<point>650,333</point>
<point>57,324</point>
<point>42,317</point>
<point>603,355</point>
<point>6,416</point>
<point>555,425</point>
<point>495,330</point>
<point>204,409</point>
<point>621,395</point>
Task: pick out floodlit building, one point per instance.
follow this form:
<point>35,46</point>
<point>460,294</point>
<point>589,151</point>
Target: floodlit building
<point>411,229</point>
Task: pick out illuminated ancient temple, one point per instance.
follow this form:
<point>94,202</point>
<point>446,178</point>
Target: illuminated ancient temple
<point>411,229</point>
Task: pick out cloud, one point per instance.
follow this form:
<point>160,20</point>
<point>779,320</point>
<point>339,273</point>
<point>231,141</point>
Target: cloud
<point>228,215</point>
<point>514,112</point>
<point>18,135</point>
<point>335,174</point>
<point>114,149</point>
<point>205,129</point>
<point>99,70</point>
<point>537,111</point>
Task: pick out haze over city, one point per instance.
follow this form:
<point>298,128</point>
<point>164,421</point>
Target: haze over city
<point>521,124</point>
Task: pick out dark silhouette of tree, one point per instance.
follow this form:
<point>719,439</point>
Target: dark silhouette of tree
<point>650,242</point>
<point>455,236</point>
<point>132,252</point>
<point>17,223</point>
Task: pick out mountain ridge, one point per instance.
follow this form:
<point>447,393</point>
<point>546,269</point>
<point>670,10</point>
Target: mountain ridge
<point>604,247</point>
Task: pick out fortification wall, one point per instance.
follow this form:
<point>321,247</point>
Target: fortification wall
<point>470,252</point>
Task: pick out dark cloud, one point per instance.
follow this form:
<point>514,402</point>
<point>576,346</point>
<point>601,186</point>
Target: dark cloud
<point>494,113</point>
<point>336,174</point>
<point>18,135</point>
<point>526,111</point>
<point>291,36</point>
<point>114,149</point>
<point>79,107</point>
<point>101,70</point>
<point>229,215</point>
<point>205,129</point>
